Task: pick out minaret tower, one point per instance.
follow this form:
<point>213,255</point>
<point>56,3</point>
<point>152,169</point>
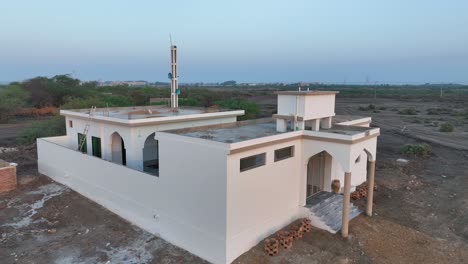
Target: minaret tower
<point>174,79</point>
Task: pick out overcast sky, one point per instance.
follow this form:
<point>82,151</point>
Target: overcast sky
<point>398,41</point>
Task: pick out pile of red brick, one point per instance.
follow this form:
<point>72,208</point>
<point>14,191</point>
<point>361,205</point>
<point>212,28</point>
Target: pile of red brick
<point>285,238</point>
<point>7,177</point>
<point>361,192</point>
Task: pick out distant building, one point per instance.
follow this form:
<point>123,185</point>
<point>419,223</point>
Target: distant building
<point>128,83</point>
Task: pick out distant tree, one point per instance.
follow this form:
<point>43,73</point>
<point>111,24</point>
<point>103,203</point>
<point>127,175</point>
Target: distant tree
<point>229,83</point>
<point>138,97</point>
<point>38,88</point>
<point>12,99</point>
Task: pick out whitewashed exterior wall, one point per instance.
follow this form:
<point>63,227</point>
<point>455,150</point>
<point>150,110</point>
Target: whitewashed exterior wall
<point>201,201</point>
<point>134,137</point>
<point>306,106</point>
<point>261,200</point>
<point>186,204</point>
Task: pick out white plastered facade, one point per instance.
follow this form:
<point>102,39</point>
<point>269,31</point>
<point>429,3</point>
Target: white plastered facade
<point>201,201</point>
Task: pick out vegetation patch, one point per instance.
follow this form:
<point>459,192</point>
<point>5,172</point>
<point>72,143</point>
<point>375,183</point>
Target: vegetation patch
<point>369,107</point>
<point>446,127</point>
<point>50,128</point>
<point>417,150</point>
<point>408,111</point>
<point>439,111</point>
<point>251,108</point>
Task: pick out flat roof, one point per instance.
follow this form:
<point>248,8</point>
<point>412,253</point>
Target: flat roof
<point>252,129</point>
<point>233,134</point>
<point>143,112</point>
<point>307,93</point>
<point>150,115</point>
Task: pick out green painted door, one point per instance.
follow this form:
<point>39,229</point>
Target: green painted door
<point>96,142</point>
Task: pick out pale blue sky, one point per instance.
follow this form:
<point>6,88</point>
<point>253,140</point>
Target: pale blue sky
<point>252,41</point>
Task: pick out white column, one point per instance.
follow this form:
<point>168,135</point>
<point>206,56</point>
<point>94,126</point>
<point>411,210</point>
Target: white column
<point>326,122</point>
<point>346,202</point>
<point>315,124</point>
<point>281,125</point>
<point>370,187</point>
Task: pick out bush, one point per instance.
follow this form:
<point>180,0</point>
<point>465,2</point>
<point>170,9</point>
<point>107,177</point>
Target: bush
<point>12,98</point>
<point>367,108</point>
<point>408,111</point>
<point>251,108</point>
<point>420,150</point>
<point>189,102</point>
<point>105,101</point>
<point>48,128</point>
<point>446,127</point>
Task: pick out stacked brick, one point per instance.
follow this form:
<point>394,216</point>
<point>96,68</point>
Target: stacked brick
<point>272,246</point>
<point>284,239</point>
<point>7,177</point>
<point>361,192</point>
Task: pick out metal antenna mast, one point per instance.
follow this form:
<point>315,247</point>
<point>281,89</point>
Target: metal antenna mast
<point>174,77</point>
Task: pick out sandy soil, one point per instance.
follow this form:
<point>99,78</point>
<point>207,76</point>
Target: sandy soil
<point>421,214</point>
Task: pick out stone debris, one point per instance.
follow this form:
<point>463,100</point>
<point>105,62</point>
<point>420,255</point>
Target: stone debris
<point>6,150</point>
<point>402,161</point>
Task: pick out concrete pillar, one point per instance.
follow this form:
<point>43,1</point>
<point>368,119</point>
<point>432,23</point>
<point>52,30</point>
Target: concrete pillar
<point>281,125</point>
<point>346,202</point>
<point>315,124</point>
<point>326,122</point>
<point>370,187</point>
<point>300,125</point>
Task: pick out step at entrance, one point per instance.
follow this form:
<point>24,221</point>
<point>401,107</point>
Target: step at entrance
<point>325,211</point>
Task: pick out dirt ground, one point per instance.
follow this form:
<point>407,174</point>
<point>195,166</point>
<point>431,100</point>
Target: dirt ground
<point>421,212</point>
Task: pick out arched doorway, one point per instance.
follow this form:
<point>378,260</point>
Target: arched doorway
<point>151,155</point>
<point>118,149</point>
<point>318,173</point>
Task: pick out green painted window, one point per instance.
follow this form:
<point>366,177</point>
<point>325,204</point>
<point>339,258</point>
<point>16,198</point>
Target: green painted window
<point>82,146</point>
<point>96,142</point>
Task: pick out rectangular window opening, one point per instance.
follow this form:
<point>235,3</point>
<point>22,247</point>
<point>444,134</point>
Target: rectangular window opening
<point>70,123</point>
<point>284,153</point>
<point>96,142</point>
<point>82,144</point>
<point>252,162</point>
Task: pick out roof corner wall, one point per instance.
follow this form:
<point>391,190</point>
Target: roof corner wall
<point>307,106</point>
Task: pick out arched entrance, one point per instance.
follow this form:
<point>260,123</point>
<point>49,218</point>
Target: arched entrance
<point>151,155</point>
<point>118,149</point>
<point>318,173</point>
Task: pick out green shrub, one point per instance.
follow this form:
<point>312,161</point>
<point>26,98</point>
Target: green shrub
<point>367,107</point>
<point>416,121</point>
<point>47,128</point>
<point>408,111</point>
<point>446,127</point>
<point>251,108</point>
<point>420,150</point>
<point>104,101</point>
<point>189,102</point>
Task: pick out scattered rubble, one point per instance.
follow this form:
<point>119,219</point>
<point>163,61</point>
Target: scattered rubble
<point>402,162</point>
<point>6,150</point>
